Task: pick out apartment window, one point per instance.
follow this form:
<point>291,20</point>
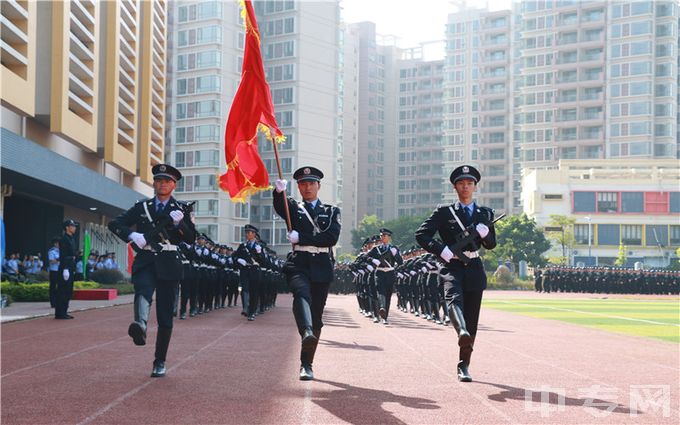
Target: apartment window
<point>242,210</point>
<point>581,233</point>
<point>584,202</point>
<point>674,203</point>
<point>632,202</point>
<point>206,208</point>
<point>675,235</point>
<point>656,202</point>
<point>210,230</point>
<point>238,232</point>
<point>496,187</point>
<point>608,234</point>
<point>607,202</point>
<point>631,234</point>
<point>656,235</point>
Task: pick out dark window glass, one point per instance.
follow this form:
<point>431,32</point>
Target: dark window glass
<point>656,235</point>
<point>608,234</point>
<point>675,202</point>
<point>632,202</point>
<point>584,201</point>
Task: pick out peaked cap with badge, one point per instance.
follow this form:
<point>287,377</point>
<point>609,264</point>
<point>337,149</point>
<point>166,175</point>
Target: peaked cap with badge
<point>165,171</point>
<point>465,172</point>
<point>308,174</point>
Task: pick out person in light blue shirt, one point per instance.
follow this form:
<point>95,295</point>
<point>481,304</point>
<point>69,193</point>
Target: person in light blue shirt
<point>53,268</point>
<point>79,267</point>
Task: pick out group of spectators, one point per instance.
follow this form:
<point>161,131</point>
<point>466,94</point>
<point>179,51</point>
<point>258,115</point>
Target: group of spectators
<point>17,269</point>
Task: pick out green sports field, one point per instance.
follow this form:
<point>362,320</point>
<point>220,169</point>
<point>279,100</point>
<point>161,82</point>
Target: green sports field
<point>658,319</point>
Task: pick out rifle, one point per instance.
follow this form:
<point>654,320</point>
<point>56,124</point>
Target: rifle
<point>469,235</point>
<point>155,236</point>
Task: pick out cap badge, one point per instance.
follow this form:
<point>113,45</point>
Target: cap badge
<point>162,168</point>
<point>466,169</point>
<point>306,171</point>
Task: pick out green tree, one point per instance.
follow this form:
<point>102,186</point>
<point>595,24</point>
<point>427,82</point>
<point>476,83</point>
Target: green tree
<point>621,258</point>
<point>564,238</point>
<point>404,230</point>
<point>368,226</point>
<point>518,238</point>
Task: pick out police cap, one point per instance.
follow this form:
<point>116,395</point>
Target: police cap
<point>385,231</point>
<point>69,222</point>
<point>250,228</point>
<point>465,172</point>
<point>165,171</point>
<point>308,173</point>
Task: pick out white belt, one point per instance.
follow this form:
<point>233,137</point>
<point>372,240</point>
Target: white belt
<point>469,254</point>
<point>164,247</point>
<point>385,269</point>
<point>312,249</point>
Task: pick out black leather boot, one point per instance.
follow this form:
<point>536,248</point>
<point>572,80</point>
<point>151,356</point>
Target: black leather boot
<point>307,357</point>
<point>463,373</point>
<point>162,343</point>
<point>465,355</point>
<point>137,329</point>
<point>456,316</point>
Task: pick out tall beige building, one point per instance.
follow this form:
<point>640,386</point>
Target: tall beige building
<point>83,95</point>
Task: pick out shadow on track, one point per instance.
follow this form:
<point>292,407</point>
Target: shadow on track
<point>489,329</point>
<point>353,346</point>
<point>365,405</point>
<point>539,396</point>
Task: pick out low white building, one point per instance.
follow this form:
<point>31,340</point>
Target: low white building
<point>631,202</point>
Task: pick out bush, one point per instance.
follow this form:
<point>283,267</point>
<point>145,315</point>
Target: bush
<point>122,287</point>
<point>504,275</point>
<point>107,276</point>
<point>516,285</point>
<point>36,292</point>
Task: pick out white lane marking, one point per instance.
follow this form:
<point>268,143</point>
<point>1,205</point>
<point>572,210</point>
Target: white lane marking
<point>482,399</point>
<point>137,389</point>
<point>610,316</point>
<point>66,356</point>
<point>61,329</point>
<point>307,406</point>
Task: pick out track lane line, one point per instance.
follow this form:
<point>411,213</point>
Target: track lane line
<point>137,389</point>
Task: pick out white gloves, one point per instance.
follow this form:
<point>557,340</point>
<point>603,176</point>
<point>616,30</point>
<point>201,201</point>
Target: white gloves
<point>176,216</point>
<point>423,269</point>
<point>446,254</point>
<point>393,250</point>
<point>370,268</point>
<point>280,185</point>
<point>375,261</point>
<point>206,251</point>
<point>412,273</point>
<point>482,229</point>
<point>241,261</point>
<point>258,249</point>
<point>66,275</point>
<point>138,239</point>
<point>399,275</point>
<point>293,237</point>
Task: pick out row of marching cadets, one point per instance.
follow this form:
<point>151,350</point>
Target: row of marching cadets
<point>214,272</point>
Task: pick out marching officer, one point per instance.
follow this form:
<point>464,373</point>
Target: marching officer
<point>67,271</point>
<point>161,224</point>
<point>464,281</point>
<point>309,267</point>
<point>385,257</point>
<point>249,256</point>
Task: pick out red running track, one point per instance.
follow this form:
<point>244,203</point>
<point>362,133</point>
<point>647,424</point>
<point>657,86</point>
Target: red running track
<point>225,370</point>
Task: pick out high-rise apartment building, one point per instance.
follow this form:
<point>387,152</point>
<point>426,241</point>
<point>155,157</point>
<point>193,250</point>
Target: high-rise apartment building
<point>420,133</point>
<point>558,80</point>
<point>301,54</point>
<point>83,90</point>
<point>478,94</point>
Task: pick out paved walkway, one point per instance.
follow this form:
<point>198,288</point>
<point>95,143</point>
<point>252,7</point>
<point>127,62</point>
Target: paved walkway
<point>22,311</point>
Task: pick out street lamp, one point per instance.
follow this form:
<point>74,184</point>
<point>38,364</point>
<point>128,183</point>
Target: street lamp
<point>589,240</point>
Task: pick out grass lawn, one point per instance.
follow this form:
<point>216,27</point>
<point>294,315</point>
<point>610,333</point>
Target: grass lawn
<point>658,319</point>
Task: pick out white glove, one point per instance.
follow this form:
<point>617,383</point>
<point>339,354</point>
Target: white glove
<point>412,273</point>
<point>393,250</point>
<point>375,261</point>
<point>482,229</point>
<point>66,274</point>
<point>446,254</point>
<point>214,256</point>
<point>280,185</point>
<point>399,275</point>
<point>241,261</point>
<point>423,269</point>
<point>361,272</point>
<point>138,239</point>
<point>258,249</point>
<point>293,237</point>
<point>176,216</point>
<point>370,268</point>
<point>206,251</point>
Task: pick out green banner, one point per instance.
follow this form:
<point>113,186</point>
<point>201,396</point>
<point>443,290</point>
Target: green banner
<point>87,242</point>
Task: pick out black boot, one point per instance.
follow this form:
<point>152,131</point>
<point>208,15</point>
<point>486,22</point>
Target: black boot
<point>307,356</point>
<point>162,343</point>
<point>463,374</point>
<point>382,312</point>
<point>465,355</point>
<point>137,329</point>
<point>456,315</point>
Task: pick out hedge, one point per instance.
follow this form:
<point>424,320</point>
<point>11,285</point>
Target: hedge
<point>35,292</point>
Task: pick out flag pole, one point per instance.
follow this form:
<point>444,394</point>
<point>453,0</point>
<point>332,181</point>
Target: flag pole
<point>285,198</point>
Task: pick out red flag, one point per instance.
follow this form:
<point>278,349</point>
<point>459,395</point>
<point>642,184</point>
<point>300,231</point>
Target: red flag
<point>251,109</point>
<point>131,257</point>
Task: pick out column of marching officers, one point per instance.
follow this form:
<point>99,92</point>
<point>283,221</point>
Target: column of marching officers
<point>213,274</point>
<point>413,275</point>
